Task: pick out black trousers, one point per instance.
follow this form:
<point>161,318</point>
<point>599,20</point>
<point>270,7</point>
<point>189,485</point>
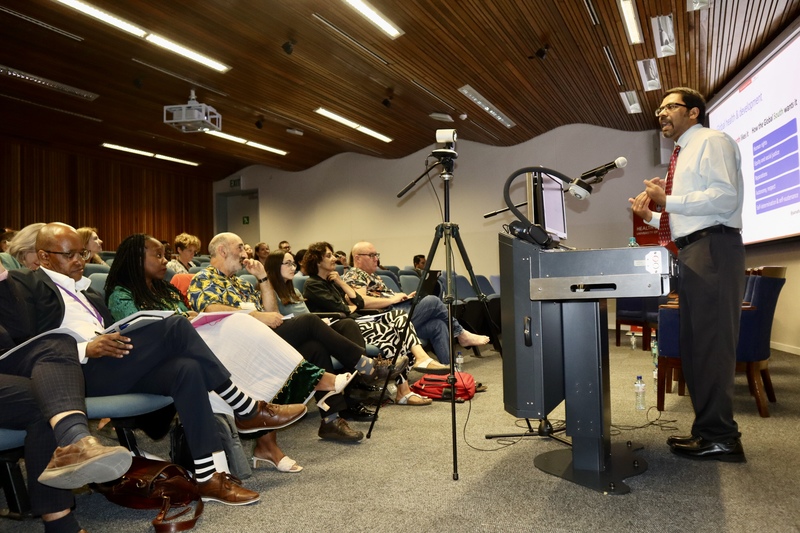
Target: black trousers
<point>711,289</point>
<point>168,358</point>
<point>21,410</point>
<point>316,341</point>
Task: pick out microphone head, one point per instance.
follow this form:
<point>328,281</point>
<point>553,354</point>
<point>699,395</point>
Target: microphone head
<point>621,162</point>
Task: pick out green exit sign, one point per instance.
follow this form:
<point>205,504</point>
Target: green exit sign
<point>245,220</point>
<point>236,182</point>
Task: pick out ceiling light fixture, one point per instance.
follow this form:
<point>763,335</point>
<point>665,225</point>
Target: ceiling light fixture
<point>633,29</point>
<point>148,154</point>
<point>187,52</point>
<point>48,84</point>
<point>486,105</point>
<point>266,148</point>
<point>252,144</point>
<point>226,136</point>
<point>260,123</point>
<point>631,102</point>
<point>103,16</point>
<point>613,64</point>
<point>355,125</point>
<point>374,16</point>
<point>288,46</point>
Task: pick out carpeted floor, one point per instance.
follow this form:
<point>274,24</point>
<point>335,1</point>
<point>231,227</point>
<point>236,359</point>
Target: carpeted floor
<point>401,480</point>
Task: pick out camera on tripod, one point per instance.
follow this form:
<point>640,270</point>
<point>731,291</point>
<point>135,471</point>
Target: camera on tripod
<point>446,154</point>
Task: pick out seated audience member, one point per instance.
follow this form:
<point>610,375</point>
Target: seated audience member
<point>341,258</point>
<point>249,251</point>
<point>186,247</point>
<point>270,370</point>
<point>23,246</point>
<point>326,291</point>
<point>298,260</point>
<point>42,392</point>
<point>217,288</point>
<point>92,243</point>
<point>261,252</point>
<point>167,357</point>
<point>430,315</point>
<point>5,239</point>
<point>20,411</point>
<point>285,246</point>
<point>419,264</point>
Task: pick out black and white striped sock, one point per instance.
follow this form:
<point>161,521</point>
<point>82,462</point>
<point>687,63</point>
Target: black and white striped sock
<point>243,405</point>
<point>204,468</point>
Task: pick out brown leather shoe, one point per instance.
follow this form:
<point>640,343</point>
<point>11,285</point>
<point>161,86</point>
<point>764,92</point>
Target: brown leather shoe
<point>339,430</point>
<point>270,416</point>
<point>86,461</point>
<point>225,488</point>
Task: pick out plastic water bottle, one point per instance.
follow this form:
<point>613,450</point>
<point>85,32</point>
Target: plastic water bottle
<point>459,361</point>
<point>638,387</point>
<point>632,243</point>
<point>654,349</point>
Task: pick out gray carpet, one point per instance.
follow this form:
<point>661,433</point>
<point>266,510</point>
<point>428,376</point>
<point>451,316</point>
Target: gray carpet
<point>401,480</point>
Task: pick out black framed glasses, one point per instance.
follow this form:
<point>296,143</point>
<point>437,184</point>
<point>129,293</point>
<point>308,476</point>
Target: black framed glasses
<point>289,264</point>
<point>670,107</point>
<point>73,255</point>
<point>373,255</point>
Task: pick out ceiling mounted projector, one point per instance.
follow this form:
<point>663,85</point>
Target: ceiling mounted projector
<point>192,117</point>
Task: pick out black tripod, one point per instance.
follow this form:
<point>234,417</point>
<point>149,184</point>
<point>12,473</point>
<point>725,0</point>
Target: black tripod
<point>447,230</point>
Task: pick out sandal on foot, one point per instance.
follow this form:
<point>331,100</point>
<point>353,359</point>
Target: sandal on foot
<point>429,366</point>
<point>342,381</point>
<point>412,398</point>
<point>287,464</point>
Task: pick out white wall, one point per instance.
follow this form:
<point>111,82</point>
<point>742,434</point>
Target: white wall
<point>352,197</point>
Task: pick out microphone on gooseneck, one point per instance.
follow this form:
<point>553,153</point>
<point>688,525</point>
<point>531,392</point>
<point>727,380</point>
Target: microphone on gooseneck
<point>619,162</point>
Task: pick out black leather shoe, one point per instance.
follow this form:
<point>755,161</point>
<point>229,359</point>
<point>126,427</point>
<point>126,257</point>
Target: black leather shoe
<point>359,413</point>
<point>677,439</point>
<point>730,451</point>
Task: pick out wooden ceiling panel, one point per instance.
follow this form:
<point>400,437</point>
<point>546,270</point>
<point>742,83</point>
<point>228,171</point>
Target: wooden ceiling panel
<point>341,62</point>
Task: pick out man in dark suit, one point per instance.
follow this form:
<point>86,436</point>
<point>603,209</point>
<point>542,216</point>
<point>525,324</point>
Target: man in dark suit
<point>167,357</point>
<point>28,403</point>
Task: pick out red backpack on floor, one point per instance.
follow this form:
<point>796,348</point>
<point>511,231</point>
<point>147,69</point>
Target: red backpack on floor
<point>437,388</point>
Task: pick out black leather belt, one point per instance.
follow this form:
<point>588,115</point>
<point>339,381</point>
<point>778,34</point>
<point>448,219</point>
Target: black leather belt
<point>682,242</point>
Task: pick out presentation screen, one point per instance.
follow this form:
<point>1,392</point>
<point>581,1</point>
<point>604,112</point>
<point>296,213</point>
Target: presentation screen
<point>761,114</point>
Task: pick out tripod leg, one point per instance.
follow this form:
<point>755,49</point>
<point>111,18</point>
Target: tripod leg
<point>401,337</point>
<point>493,329</point>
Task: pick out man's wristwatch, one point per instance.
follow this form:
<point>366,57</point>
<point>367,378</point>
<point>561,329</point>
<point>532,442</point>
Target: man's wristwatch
<point>262,280</point>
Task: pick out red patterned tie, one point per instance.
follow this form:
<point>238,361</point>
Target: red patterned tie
<point>664,234</point>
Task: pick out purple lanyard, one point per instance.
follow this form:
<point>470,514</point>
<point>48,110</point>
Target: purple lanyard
<point>89,308</point>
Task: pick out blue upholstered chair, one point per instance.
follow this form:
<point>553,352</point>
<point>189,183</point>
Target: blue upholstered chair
<point>98,282</point>
<point>752,351</point>
<point>92,268</point>
<point>122,409</point>
<point>638,312</point>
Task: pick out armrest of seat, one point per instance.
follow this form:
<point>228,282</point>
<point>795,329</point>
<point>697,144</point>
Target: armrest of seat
<point>333,315</point>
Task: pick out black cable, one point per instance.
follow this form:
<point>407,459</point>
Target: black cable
<point>664,425</point>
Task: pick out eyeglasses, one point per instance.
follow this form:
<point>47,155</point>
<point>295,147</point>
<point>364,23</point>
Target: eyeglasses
<point>670,107</point>
<point>289,264</point>
<point>329,255</point>
<point>73,255</point>
<point>372,255</point>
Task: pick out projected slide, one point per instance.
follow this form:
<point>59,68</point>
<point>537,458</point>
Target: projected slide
<point>762,115</point>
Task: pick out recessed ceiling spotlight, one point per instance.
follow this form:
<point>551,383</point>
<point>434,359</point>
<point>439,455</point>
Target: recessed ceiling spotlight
<point>541,53</point>
<point>288,46</point>
<point>260,123</point>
